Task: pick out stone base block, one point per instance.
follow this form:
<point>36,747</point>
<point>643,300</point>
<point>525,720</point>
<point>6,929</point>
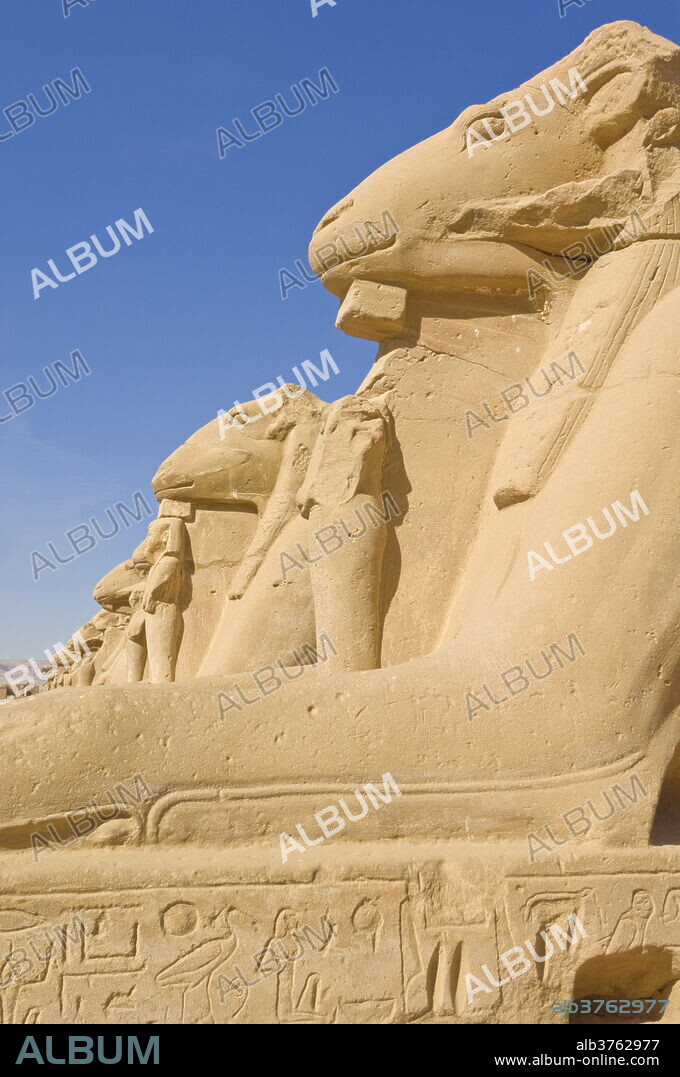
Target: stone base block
<point>348,934</point>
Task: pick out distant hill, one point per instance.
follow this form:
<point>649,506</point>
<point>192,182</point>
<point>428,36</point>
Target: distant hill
<point>6,664</point>
<point>9,663</point>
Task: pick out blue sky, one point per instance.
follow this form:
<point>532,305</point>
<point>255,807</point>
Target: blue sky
<point>190,318</point>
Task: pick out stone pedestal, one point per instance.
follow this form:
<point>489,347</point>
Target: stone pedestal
<point>353,933</point>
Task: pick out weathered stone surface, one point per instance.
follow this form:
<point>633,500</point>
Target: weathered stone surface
<point>408,661</point>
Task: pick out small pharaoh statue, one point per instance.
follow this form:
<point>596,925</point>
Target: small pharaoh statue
<point>164,550</point>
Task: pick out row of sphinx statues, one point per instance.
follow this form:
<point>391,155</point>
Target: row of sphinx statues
<point>241,505</point>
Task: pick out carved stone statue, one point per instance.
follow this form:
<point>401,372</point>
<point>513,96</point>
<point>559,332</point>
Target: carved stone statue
<point>164,551</point>
<point>481,543</point>
<point>345,479</point>
<point>135,636</point>
<point>253,471</point>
